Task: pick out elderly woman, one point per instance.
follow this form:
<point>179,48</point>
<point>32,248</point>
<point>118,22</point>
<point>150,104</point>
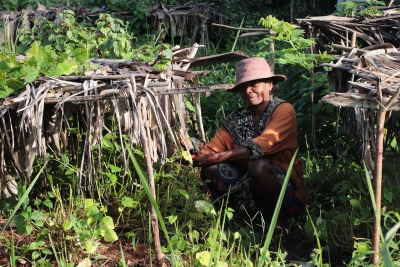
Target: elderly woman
<point>259,139</point>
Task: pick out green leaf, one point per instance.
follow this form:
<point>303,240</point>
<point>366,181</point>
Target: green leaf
<point>47,251</point>
<point>116,48</point>
<point>34,245</point>
<point>357,221</point>
<point>70,35</point>
<point>114,168</point>
<point>354,202</point>
<point>67,225</point>
<point>33,51</point>
<point>221,264</point>
<point>109,235</point>
<point>4,66</point>
<point>48,203</point>
<point>35,255</point>
<point>5,91</point>
<point>89,203</point>
<point>187,156</point>
<point>127,202</point>
<point>30,73</point>
<point>20,223</point>
<point>190,106</point>
<point>172,219</point>
<point>203,257</point>
<point>107,223</point>
<point>10,86</point>
<point>392,233</point>
<point>39,52</point>
<point>27,229</point>
<point>64,68</point>
<point>13,62</point>
<point>81,55</point>
<point>112,177</point>
<point>388,195</point>
<point>36,215</point>
<point>105,142</point>
<point>91,246</point>
<point>184,193</point>
<point>229,213</point>
<point>204,206</point>
<point>82,223</point>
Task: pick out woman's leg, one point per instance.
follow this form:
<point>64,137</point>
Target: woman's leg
<point>221,177</point>
<point>208,175</point>
<point>264,186</point>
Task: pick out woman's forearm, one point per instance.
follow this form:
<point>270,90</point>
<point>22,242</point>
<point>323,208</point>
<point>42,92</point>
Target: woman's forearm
<point>235,154</point>
<point>203,158</point>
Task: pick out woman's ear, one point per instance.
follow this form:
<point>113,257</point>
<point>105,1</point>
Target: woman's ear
<point>269,85</point>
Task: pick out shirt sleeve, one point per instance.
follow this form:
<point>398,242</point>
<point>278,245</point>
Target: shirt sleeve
<point>222,141</point>
<point>280,132</point>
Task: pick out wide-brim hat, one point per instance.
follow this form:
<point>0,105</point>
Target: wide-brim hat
<point>254,68</point>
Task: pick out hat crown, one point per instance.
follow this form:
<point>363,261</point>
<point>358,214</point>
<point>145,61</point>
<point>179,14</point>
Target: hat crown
<point>255,68</point>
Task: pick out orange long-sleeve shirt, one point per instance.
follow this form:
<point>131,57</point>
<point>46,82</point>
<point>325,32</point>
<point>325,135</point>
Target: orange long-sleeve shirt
<point>277,141</point>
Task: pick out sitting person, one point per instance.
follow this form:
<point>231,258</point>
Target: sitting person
<point>258,140</point>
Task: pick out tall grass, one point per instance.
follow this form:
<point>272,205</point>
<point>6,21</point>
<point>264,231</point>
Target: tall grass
<point>271,229</point>
<point>24,197</point>
<point>153,202</point>
<point>385,254</point>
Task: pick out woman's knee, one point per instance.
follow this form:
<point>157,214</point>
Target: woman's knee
<point>209,173</point>
<point>259,168</point>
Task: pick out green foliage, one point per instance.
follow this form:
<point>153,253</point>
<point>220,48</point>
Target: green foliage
<point>89,225</point>
<point>41,60</point>
<point>293,47</point>
<point>305,77</point>
<point>63,47</point>
<point>27,219</point>
<point>350,8</point>
<point>143,6</point>
<point>107,37</point>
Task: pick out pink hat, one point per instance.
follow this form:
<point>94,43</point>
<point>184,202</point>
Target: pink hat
<point>254,68</point>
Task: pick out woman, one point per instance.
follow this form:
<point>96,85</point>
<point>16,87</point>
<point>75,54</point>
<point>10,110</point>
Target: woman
<point>260,140</point>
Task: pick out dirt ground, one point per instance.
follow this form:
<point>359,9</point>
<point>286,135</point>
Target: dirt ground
<point>109,254</point>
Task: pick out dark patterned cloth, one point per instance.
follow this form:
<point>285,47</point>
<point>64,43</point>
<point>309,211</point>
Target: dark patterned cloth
<point>231,179</point>
<point>240,125</point>
<point>234,181</point>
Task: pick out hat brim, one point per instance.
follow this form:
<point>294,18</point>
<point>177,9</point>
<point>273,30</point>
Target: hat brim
<point>275,79</point>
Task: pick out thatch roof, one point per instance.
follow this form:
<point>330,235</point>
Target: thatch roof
<point>366,73</point>
<point>40,116</point>
<point>374,30</point>
<point>374,77</point>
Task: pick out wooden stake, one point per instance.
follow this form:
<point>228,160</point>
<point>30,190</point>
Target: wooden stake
<point>150,175</point>
<point>378,172</point>
<point>378,185</point>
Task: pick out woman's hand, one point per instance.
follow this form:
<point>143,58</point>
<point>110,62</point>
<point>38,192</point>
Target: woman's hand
<point>202,158</point>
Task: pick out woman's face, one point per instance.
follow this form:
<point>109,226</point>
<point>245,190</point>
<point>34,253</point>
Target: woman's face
<point>256,92</point>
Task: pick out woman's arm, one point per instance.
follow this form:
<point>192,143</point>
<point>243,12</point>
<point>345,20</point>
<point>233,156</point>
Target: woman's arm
<point>204,158</point>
